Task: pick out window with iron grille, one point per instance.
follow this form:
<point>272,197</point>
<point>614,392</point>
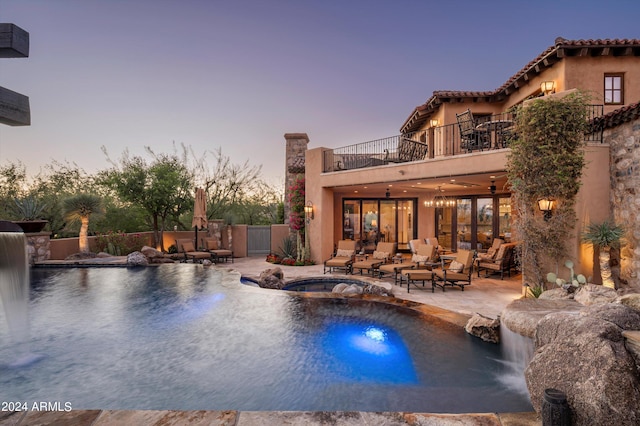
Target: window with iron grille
<point>614,88</point>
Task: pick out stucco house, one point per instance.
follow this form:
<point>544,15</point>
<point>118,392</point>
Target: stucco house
<point>444,174</point>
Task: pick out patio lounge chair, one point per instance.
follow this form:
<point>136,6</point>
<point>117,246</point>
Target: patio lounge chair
<point>399,264</point>
<point>472,138</point>
<point>212,246</point>
<point>457,273</point>
<point>424,261</point>
<point>185,246</point>
<point>383,253</point>
<point>503,261</point>
<point>342,258</point>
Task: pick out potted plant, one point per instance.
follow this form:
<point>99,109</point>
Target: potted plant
<point>29,209</point>
<point>602,237</point>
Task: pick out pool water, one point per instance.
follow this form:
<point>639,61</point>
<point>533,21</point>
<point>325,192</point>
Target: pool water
<point>182,337</point>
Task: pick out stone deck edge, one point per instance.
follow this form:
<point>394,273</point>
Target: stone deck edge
<point>260,418</point>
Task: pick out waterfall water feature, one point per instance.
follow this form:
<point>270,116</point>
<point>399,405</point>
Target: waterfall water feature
<point>517,351</point>
<point>14,290</point>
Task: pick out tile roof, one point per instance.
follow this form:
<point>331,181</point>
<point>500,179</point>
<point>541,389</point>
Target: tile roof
<point>622,115</point>
<point>562,48</point>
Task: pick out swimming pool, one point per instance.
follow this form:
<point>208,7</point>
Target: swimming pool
<point>182,337</point>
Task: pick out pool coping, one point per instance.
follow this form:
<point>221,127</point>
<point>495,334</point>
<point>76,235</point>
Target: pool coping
<point>261,418</point>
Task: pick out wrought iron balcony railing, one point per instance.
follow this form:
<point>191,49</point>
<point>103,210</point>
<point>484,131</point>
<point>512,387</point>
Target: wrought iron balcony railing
<point>489,132</point>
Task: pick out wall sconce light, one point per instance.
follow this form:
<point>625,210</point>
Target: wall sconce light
<point>547,87</point>
<point>308,210</point>
<point>546,206</point>
<point>433,122</point>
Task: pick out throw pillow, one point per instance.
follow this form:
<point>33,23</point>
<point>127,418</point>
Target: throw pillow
<point>417,258</point>
<point>212,245</point>
<point>456,266</point>
<point>344,253</point>
<point>380,255</point>
<point>187,247</point>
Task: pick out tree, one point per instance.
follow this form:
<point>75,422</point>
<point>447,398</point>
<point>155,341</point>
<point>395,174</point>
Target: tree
<point>546,161</point>
<point>163,187</point>
<point>80,207</point>
<point>603,237</point>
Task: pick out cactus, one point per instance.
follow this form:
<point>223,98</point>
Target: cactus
<point>575,280</point>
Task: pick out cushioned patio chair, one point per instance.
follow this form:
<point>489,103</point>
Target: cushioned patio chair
<point>219,253</point>
<point>457,273</point>
<point>424,261</point>
<point>503,261</point>
<point>419,252</point>
<point>383,253</point>
<point>185,246</point>
<point>491,252</point>
<point>342,258</point>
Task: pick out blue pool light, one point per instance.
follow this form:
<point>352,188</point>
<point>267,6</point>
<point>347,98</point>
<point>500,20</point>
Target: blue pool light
<point>368,353</point>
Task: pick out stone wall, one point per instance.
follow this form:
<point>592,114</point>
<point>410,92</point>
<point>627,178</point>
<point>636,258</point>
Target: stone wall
<point>38,246</point>
<point>295,164</point>
<point>624,142</point>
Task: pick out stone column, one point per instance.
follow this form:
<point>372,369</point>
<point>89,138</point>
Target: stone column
<point>295,164</point>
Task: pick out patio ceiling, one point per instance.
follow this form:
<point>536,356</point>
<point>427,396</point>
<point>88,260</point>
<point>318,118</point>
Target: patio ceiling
<point>453,186</point>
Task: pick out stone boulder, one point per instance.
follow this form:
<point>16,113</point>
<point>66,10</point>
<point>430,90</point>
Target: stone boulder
<point>630,300</point>
<point>137,259</point>
<point>150,252</point>
<point>556,294</point>
<point>583,355</point>
<point>522,315</point>
<point>384,289</point>
<point>272,278</point>
<point>590,294</point>
<point>339,288</point>
<point>488,329</point>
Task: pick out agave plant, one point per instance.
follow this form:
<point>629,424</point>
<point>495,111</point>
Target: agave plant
<point>29,208</point>
<point>604,236</point>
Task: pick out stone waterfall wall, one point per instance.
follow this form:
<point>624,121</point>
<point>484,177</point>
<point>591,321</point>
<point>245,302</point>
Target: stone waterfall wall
<point>623,136</point>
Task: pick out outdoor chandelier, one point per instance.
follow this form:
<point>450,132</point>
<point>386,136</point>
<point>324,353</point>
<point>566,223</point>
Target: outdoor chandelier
<point>439,200</point>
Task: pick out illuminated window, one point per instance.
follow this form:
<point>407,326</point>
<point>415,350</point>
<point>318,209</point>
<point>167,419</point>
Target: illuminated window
<point>613,89</point>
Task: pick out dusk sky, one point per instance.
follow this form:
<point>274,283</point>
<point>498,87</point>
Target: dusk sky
<point>240,74</point>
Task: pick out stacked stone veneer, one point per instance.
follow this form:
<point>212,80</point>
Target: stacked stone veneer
<point>622,133</point>
<point>295,164</point>
<point>38,246</point>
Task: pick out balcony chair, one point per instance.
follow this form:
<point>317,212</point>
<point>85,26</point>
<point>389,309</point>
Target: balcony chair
<point>383,253</point>
<point>408,150</point>
<point>471,137</point>
<point>185,246</point>
<point>342,258</point>
<point>457,273</point>
<point>502,262</point>
<point>399,264</point>
<point>212,246</point>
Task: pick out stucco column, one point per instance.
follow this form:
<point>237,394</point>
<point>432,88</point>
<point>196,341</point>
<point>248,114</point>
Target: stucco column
<point>321,228</point>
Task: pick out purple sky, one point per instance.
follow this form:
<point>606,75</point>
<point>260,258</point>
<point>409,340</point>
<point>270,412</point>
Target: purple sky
<point>239,74</point>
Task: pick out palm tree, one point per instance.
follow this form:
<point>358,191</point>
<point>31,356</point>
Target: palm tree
<point>603,236</point>
<point>80,207</point>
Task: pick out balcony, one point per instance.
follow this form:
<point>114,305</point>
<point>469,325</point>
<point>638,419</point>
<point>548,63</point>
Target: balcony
<point>494,132</point>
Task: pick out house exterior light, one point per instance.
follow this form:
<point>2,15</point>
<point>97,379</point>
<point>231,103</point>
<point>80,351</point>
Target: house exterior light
<point>546,206</point>
<point>308,210</point>
<point>547,87</point>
